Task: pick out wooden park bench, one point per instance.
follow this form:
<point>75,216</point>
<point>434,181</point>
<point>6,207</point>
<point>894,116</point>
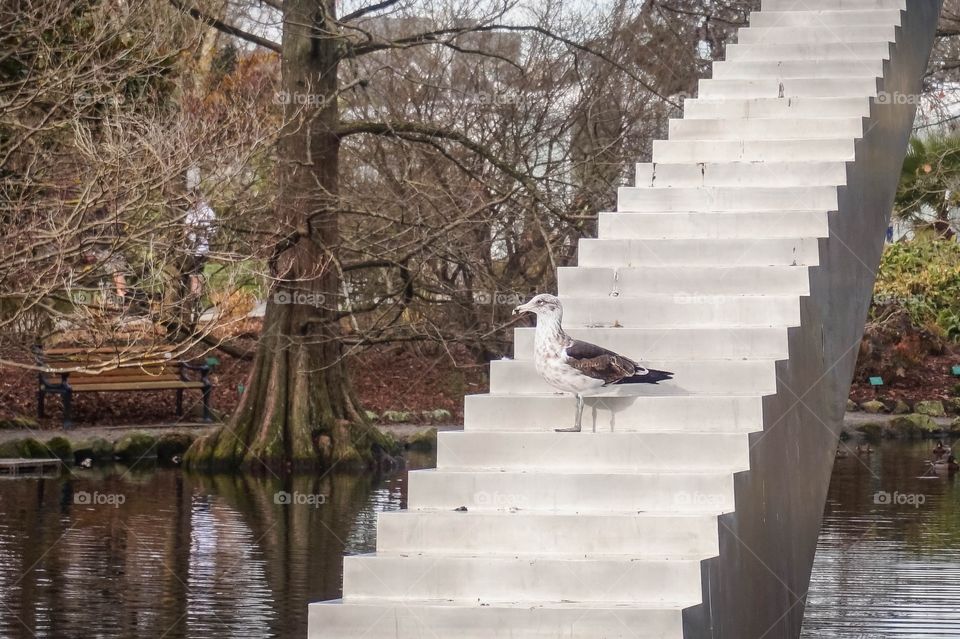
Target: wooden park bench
<point>65,371</point>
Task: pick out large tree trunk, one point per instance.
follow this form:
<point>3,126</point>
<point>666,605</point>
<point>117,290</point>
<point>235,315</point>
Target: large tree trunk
<point>299,409</point>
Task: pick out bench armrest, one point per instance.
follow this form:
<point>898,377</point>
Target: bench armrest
<point>62,384</point>
<point>42,374</point>
<point>203,368</point>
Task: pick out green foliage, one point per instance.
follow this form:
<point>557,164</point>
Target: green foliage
<point>60,447</point>
<point>10,449</point>
<point>915,425</point>
<point>425,440</point>
<point>923,278</point>
<point>397,416</point>
<point>438,415</point>
<point>19,422</point>
<point>135,446</point>
<point>244,276</point>
<point>933,408</point>
<point>33,449</point>
<point>930,176</point>
<point>96,448</point>
<point>28,448</point>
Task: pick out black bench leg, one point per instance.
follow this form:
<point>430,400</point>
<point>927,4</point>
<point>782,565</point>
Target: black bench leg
<point>41,413</point>
<point>67,410</point>
<point>207,392</point>
<point>179,402</point>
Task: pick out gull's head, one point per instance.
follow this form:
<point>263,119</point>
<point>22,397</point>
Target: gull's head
<point>545,306</point>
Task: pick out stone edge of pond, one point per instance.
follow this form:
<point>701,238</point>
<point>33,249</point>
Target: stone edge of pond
<point>899,426</point>
<point>163,441</point>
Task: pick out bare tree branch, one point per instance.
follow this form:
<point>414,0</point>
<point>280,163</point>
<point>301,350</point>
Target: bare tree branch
<point>359,13</point>
<point>223,27</point>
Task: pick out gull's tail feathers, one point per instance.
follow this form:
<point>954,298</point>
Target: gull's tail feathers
<point>650,376</point>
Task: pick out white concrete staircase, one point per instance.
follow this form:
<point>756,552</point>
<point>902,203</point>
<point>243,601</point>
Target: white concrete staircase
<point>692,509</point>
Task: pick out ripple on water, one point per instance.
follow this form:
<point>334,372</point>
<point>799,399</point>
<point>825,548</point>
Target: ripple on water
<point>200,557</point>
<point>887,570</point>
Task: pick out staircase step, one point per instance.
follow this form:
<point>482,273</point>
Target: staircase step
<point>582,281</point>
<point>710,252</point>
<point>447,532</point>
<point>593,452</point>
<point>717,376</point>
<point>410,619</point>
<point>766,129</point>
<point>671,311</point>
<point>495,579</point>
<point>681,225</point>
<point>816,33</point>
<point>673,343</point>
<point>824,150</point>
<point>726,198</point>
<point>776,50</point>
<point>584,493</point>
<point>821,5</point>
<point>740,174</point>
<point>852,87</point>
<point>699,108</point>
<point>828,19</point>
<point>669,410</point>
<point>792,69</point>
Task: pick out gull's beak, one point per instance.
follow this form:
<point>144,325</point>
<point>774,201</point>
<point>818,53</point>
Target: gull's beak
<point>523,308</point>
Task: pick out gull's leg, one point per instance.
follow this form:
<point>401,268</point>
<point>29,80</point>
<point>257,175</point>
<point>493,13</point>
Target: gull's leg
<point>576,426</point>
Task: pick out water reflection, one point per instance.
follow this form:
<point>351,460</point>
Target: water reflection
<point>183,555</point>
<point>888,558</point>
<point>198,556</point>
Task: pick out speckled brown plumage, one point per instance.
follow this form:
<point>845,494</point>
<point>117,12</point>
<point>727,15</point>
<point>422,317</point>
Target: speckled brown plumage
<point>599,363</point>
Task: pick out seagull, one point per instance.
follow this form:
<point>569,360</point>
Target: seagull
<point>574,366</point>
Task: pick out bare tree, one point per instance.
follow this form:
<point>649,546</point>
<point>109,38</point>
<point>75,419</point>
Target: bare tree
<point>97,135</point>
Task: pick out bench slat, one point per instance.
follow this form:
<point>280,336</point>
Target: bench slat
<point>135,386</point>
<point>94,362</point>
<point>128,371</point>
<point>172,368</point>
<point>86,380</point>
<point>109,350</point>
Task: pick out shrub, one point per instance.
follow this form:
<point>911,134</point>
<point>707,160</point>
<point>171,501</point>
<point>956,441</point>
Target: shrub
<point>135,446</point>
<point>96,448</point>
<point>922,278</point>
<point>60,447</point>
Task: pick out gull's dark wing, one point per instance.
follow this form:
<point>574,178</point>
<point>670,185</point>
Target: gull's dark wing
<point>599,363</point>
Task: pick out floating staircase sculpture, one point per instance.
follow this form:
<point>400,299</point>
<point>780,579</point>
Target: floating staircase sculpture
<point>743,260</point>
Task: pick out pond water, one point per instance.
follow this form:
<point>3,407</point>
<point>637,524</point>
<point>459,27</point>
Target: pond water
<point>194,556</point>
<point>888,557</point>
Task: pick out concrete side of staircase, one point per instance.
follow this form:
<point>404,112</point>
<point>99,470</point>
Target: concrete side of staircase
<point>757,585</point>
